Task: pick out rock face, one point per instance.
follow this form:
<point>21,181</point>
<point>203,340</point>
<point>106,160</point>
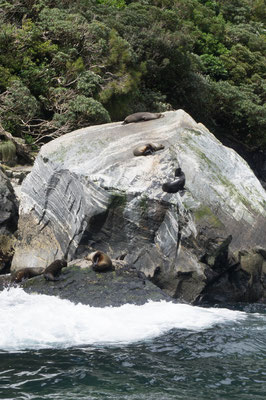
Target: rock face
<point>8,221</point>
<point>8,206</point>
<point>245,281</point>
<point>88,191</point>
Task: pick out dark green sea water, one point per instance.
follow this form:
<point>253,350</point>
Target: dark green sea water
<point>224,361</point>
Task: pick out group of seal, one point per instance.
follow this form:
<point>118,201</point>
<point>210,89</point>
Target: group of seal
<point>51,273</point>
<point>101,262</point>
<point>149,148</point>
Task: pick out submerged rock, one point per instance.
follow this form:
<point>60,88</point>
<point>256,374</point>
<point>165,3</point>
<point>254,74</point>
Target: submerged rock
<point>87,190</point>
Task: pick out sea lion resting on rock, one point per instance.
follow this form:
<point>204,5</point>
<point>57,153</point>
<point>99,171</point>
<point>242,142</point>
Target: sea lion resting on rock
<point>147,149</point>
<point>26,273</point>
<point>141,116</point>
<point>100,261</point>
<point>178,184</point>
<point>52,272</point>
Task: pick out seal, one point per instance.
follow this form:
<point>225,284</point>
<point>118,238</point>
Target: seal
<point>100,261</point>
<point>147,149</point>
<point>141,116</point>
<point>26,273</point>
<point>177,185</point>
<point>179,172</point>
<point>52,272</point>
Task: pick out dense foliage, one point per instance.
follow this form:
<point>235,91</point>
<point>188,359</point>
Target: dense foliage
<point>67,64</point>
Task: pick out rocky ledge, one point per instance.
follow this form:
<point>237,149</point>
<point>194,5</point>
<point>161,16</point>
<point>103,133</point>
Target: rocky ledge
<point>83,285</point>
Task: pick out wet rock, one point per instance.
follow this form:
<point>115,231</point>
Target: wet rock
<point>83,285</point>
<point>243,281</point>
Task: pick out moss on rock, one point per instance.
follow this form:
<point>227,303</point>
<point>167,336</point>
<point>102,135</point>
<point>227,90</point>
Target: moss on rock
<point>205,213</point>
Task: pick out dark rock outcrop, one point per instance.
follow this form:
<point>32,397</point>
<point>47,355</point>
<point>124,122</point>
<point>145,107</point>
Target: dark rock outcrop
<point>83,285</point>
<point>242,281</point>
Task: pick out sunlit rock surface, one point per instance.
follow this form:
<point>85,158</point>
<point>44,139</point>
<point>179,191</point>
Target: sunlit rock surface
<point>88,191</point>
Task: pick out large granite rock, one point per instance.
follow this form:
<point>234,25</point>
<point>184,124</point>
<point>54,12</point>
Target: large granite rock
<point>87,190</point>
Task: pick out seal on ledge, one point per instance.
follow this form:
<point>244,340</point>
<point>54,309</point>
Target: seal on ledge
<point>26,273</point>
<point>141,116</point>
<point>147,149</point>
<point>177,185</point>
<point>52,272</point>
<point>100,261</point>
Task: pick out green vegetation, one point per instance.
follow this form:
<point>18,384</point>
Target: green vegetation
<point>234,193</point>
<point>69,64</point>
<point>7,151</point>
<point>7,244</point>
<point>118,200</point>
<point>144,203</point>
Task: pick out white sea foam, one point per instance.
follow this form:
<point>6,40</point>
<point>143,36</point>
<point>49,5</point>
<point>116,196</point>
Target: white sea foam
<point>40,321</point>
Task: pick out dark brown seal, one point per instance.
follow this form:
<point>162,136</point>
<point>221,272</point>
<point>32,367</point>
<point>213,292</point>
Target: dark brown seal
<point>146,149</point>
<point>26,273</point>
<point>177,185</point>
<point>52,272</point>
<point>141,116</point>
<point>180,173</point>
<point>100,261</point>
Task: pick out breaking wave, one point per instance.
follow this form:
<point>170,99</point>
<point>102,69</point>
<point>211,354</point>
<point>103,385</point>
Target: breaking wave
<point>38,321</point>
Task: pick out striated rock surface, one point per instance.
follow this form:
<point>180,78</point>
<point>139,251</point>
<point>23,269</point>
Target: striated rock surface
<point>88,191</point>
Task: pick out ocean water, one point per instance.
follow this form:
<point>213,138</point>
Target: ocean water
<point>53,349</point>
